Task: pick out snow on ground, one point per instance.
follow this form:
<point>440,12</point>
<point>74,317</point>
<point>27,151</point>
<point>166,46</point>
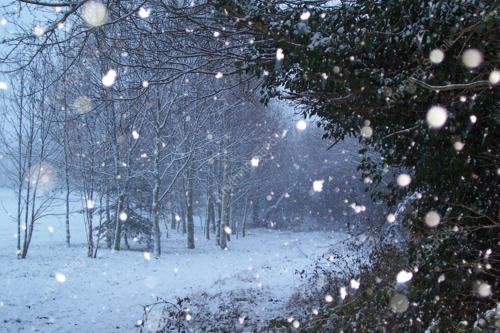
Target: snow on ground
<point>107,294</point>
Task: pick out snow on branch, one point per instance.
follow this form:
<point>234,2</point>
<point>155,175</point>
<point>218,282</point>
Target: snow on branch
<point>454,86</point>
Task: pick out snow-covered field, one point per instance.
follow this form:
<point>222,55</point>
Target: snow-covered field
<point>107,294</point>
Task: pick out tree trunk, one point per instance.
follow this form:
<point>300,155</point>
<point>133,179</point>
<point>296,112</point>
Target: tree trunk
<point>255,213</point>
<point>190,221</point>
<point>219,221</point>
<point>225,203</point>
<point>243,227</point>
<point>156,201</point>
<point>210,214</point>
<point>172,221</point>
<point>118,227</point>
<point>66,175</point>
<point>109,234</point>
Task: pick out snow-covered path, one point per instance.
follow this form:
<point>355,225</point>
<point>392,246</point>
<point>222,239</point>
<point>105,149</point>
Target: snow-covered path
<point>107,294</point>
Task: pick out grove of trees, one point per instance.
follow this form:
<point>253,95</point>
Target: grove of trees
<point>152,111</point>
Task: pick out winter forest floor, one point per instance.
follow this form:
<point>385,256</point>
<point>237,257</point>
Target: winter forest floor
<point>107,294</point>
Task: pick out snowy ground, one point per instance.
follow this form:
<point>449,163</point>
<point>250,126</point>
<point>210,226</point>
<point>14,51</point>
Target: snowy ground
<point>108,294</point>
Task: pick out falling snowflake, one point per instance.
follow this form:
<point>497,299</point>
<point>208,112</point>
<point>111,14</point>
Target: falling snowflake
<point>494,77</point>
<point>305,15</point>
<point>432,219</point>
<point>279,54</point>
<point>94,13</point>
<point>436,116</point>
<point>60,277</point>
<point>254,161</point>
<point>482,289</point>
<point>355,284</point>
<point>123,216</point>
<point>42,176</point>
<point>144,12</point>
<point>404,276</point>
<point>82,105</point>
<point>399,303</point>
<point>458,145</point>
<point>38,31</point>
<point>343,292</point>
<point>366,132</point>
<point>404,180</point>
<point>109,79</point>
<point>301,125</point>
<point>472,58</point>
<point>436,56</point>
<point>318,185</point>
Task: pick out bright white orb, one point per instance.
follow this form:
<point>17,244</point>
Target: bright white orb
<point>318,185</point>
<point>144,12</point>
<point>109,79</point>
<point>355,284</point>
<point>436,116</point>
<point>404,276</point>
<point>366,132</point>
<point>94,13</point>
<point>219,75</point>
<point>436,56</point>
<point>123,216</point>
<point>343,292</point>
<point>254,161</point>
<point>60,277</point>
<point>305,15</point>
<point>484,289</point>
<point>472,58</point>
<point>391,218</point>
<point>38,31</point>
<point>279,54</point>
<point>458,145</point>
<point>494,77</point>
<point>301,125</point>
<point>404,180</point>
<point>3,85</point>
<point>432,219</point>
<point>328,298</point>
